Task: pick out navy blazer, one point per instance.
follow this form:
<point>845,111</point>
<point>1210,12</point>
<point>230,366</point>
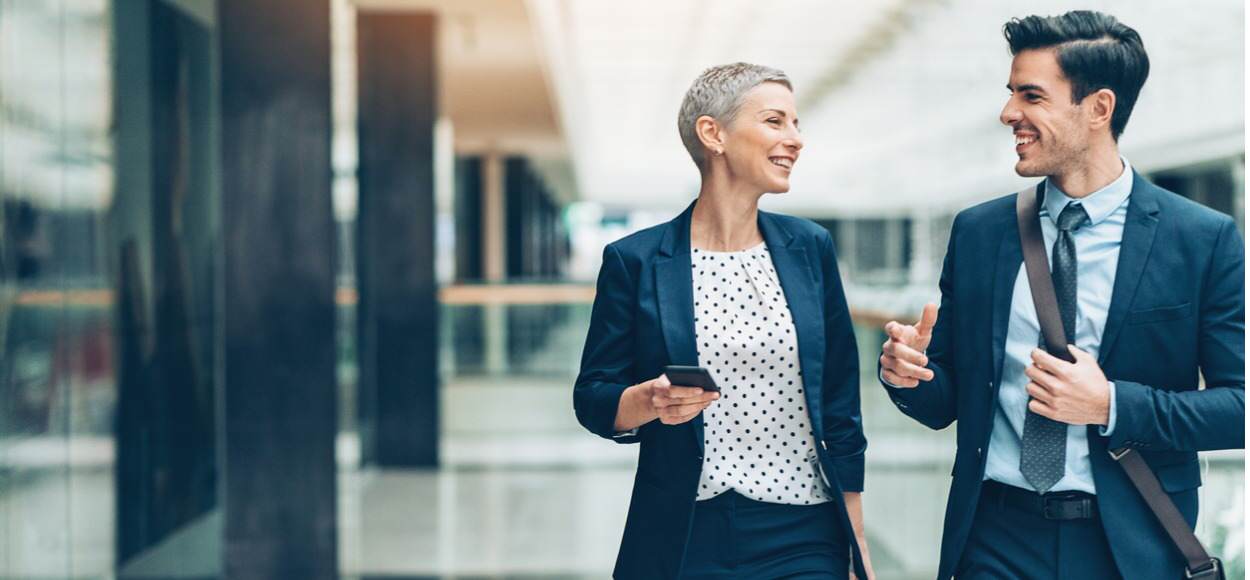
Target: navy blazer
<point>1177,308</point>
<point>643,320</point>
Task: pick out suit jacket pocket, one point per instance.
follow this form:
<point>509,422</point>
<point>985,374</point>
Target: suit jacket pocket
<point>1159,314</point>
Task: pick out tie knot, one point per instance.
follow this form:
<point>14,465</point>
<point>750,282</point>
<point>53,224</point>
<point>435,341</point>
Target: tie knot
<point>1072,217</point>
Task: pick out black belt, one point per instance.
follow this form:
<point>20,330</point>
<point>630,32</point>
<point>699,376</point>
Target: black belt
<point>1055,505</point>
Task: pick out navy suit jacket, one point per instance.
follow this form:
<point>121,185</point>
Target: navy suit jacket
<point>1177,308</point>
<point>643,320</point>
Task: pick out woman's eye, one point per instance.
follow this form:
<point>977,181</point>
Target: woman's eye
<point>775,121</point>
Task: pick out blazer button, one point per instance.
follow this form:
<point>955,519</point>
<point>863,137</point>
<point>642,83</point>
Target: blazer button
<point>700,458</point>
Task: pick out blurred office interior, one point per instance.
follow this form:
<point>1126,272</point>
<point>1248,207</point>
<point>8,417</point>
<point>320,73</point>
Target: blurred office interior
<point>298,288</point>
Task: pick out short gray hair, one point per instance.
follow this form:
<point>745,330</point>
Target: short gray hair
<point>718,93</point>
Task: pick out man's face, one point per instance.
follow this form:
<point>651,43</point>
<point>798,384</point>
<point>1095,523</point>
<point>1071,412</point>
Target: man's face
<point>1051,132</point>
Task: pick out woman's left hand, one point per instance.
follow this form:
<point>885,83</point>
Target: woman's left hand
<point>855,509</point>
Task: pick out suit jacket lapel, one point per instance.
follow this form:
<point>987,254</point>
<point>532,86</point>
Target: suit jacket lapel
<point>1139,235</point>
<point>798,283</point>
<point>675,297</point>
<point>1006,270</point>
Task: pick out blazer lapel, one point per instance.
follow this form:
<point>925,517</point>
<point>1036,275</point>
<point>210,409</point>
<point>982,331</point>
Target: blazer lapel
<point>798,284</point>
<point>675,297</point>
<point>1139,236</point>
<point>1006,270</point>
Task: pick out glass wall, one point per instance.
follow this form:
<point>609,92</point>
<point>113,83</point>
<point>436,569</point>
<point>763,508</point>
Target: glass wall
<point>108,349</point>
<point>58,387</point>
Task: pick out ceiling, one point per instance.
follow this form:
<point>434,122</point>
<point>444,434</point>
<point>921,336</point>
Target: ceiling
<point>899,99</point>
<point>492,84</point>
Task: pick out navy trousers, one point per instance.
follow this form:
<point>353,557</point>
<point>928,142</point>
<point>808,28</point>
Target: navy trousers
<point>1010,543</point>
<point>736,537</point>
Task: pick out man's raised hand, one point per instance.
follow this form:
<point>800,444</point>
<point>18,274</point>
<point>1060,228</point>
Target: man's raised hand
<point>903,359</point>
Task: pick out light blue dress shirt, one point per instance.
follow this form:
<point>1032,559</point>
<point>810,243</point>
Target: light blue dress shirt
<point>1097,254</point>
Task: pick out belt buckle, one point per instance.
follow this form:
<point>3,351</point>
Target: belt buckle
<point>1066,507</point>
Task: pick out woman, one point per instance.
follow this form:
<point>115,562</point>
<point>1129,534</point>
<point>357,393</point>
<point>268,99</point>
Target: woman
<point>762,480</point>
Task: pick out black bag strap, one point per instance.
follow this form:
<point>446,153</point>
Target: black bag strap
<point>1198,563</point>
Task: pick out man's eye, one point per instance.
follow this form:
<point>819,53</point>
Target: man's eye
<point>1031,97</point>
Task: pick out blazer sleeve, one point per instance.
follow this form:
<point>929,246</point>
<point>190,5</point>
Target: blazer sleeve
<point>933,403</point>
<point>844,431</point>
<point>1212,418</point>
<point>608,354</point>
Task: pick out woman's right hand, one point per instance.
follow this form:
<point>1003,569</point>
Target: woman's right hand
<point>659,399</point>
<point>675,404</point>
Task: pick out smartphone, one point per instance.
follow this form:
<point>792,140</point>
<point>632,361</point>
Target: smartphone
<point>683,376</point>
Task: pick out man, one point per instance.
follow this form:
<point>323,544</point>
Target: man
<point>1151,290</point>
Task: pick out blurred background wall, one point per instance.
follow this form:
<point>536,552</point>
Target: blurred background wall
<point>296,289</point>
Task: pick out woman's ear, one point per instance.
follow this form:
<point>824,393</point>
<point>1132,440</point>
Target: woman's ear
<point>710,134</point>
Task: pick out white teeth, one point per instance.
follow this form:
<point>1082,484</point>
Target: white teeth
<point>782,162</point>
<point>1021,140</point>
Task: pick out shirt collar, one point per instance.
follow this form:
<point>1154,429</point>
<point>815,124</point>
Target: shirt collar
<point>1098,205</point>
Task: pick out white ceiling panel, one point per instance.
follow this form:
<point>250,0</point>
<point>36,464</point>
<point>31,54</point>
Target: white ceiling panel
<point>899,99</point>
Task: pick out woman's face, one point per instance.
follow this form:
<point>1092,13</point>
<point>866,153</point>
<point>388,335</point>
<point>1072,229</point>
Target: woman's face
<point>762,143</point>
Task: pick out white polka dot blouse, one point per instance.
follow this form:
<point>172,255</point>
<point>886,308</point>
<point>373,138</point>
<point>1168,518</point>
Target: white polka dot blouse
<point>757,437</point>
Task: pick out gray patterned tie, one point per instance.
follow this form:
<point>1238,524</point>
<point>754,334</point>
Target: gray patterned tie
<point>1044,444</point>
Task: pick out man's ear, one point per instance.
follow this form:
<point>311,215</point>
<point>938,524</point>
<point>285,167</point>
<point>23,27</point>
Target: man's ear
<point>710,134</point>
<point>1101,104</point>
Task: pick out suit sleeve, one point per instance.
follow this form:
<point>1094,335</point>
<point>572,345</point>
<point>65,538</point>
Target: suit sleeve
<point>844,431</point>
<point>608,354</point>
<point>1212,418</point>
<point>933,403</point>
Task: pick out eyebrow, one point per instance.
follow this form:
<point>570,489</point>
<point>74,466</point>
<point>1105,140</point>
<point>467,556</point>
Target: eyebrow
<point>1026,87</point>
<point>780,112</point>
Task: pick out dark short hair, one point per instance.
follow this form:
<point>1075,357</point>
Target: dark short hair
<point>1095,51</point>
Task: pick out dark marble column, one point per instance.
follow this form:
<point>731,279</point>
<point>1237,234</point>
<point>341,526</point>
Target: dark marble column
<point>469,257</point>
<point>279,391</point>
<point>397,315</point>
<point>515,183</point>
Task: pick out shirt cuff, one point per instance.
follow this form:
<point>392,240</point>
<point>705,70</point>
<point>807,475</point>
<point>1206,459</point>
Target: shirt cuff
<point>1106,431</point>
<point>623,434</point>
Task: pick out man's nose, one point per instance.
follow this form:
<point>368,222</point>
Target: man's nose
<point>1010,115</point>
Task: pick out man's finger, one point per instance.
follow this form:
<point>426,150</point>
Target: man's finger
<point>928,318</point>
<point>1037,392</point>
<point>1050,363</point>
<point>1043,378</point>
<point>896,380</point>
<point>901,351</point>
<point>1079,355</point>
<point>1042,409</point>
<point>906,369</point>
<point>897,331</point>
<point>889,363</point>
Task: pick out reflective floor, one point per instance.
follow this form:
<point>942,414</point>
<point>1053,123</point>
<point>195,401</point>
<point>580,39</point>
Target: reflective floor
<point>525,493</point>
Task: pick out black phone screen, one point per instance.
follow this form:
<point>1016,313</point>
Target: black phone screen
<point>684,376</point>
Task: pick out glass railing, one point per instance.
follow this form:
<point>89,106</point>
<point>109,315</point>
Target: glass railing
<point>508,357</point>
<point>508,332</point>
